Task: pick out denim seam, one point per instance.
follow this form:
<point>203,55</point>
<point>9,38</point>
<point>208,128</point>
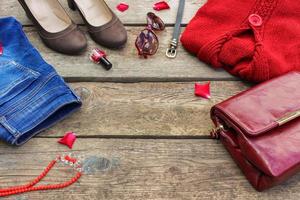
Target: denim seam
<point>67,103</point>
<point>30,103</point>
<point>29,96</point>
<point>6,62</point>
<point>28,74</point>
<point>24,100</point>
<point>37,122</point>
<point>11,129</point>
<point>16,82</point>
<point>74,93</point>
<point>26,69</point>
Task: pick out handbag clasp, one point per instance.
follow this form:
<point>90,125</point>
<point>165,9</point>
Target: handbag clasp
<point>215,132</point>
<point>289,117</point>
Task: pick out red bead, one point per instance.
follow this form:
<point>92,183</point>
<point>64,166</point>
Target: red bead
<point>29,187</point>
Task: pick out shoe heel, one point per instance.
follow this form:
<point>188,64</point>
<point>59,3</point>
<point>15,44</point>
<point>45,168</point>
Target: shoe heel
<point>71,4</point>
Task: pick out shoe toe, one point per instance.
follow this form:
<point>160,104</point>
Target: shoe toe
<point>72,43</point>
<point>76,41</point>
<point>113,37</point>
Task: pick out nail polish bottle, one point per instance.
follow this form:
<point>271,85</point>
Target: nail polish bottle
<point>99,57</point>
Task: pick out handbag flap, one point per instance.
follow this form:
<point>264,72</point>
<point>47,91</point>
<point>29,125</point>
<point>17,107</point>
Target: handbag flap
<point>265,106</point>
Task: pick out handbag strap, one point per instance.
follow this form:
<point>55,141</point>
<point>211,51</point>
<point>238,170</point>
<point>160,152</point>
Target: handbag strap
<point>171,51</point>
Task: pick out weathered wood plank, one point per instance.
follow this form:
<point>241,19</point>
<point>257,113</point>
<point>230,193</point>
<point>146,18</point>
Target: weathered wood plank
<point>138,169</point>
<point>128,67</point>
<point>143,109</point>
<point>134,15</point>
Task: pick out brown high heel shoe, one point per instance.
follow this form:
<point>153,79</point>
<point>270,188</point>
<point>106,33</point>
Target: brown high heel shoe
<point>55,27</point>
<point>103,25</point>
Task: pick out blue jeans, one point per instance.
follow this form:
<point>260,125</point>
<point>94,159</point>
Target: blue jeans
<point>32,95</point>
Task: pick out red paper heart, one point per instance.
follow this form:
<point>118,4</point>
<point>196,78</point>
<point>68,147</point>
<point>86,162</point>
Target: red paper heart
<point>203,90</point>
<point>122,7</point>
<point>162,5</point>
<point>1,49</point>
<point>68,139</point>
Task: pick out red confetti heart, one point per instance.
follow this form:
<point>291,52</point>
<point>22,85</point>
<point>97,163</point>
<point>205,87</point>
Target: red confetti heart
<point>162,5</point>
<point>122,7</point>
<point>68,139</point>
<point>1,49</point>
<point>203,90</point>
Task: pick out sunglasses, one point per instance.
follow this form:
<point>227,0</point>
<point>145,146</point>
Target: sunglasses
<point>147,41</point>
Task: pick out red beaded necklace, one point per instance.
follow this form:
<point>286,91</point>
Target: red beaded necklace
<point>31,186</point>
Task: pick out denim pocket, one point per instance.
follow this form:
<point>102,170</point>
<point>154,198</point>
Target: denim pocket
<point>14,78</point>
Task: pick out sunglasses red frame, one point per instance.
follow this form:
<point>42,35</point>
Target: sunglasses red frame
<point>147,41</point>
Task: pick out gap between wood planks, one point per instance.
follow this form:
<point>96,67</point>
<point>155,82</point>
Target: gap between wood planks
<point>142,137</point>
<point>143,79</point>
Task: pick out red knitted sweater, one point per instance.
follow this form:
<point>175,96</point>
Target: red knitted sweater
<point>253,39</point>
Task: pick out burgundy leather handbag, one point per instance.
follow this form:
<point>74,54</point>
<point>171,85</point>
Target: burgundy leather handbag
<point>260,128</point>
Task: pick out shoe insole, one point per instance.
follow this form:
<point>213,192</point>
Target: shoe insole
<point>95,12</point>
<point>49,14</point>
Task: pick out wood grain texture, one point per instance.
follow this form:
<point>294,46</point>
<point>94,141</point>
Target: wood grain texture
<point>134,15</point>
<point>138,169</point>
<point>143,109</point>
<point>132,169</point>
<point>127,66</point>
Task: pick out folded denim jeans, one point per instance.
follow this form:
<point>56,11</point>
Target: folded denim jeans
<point>32,95</point>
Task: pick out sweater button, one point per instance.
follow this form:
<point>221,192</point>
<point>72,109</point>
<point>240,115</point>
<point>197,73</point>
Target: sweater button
<point>255,20</point>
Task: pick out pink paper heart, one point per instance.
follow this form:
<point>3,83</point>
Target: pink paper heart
<point>68,139</point>
<point>203,90</point>
<point>162,5</point>
<point>122,7</point>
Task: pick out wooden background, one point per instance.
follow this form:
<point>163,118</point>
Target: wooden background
<point>140,124</point>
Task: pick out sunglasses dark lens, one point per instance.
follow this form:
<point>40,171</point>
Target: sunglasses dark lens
<point>146,42</point>
<point>155,22</point>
